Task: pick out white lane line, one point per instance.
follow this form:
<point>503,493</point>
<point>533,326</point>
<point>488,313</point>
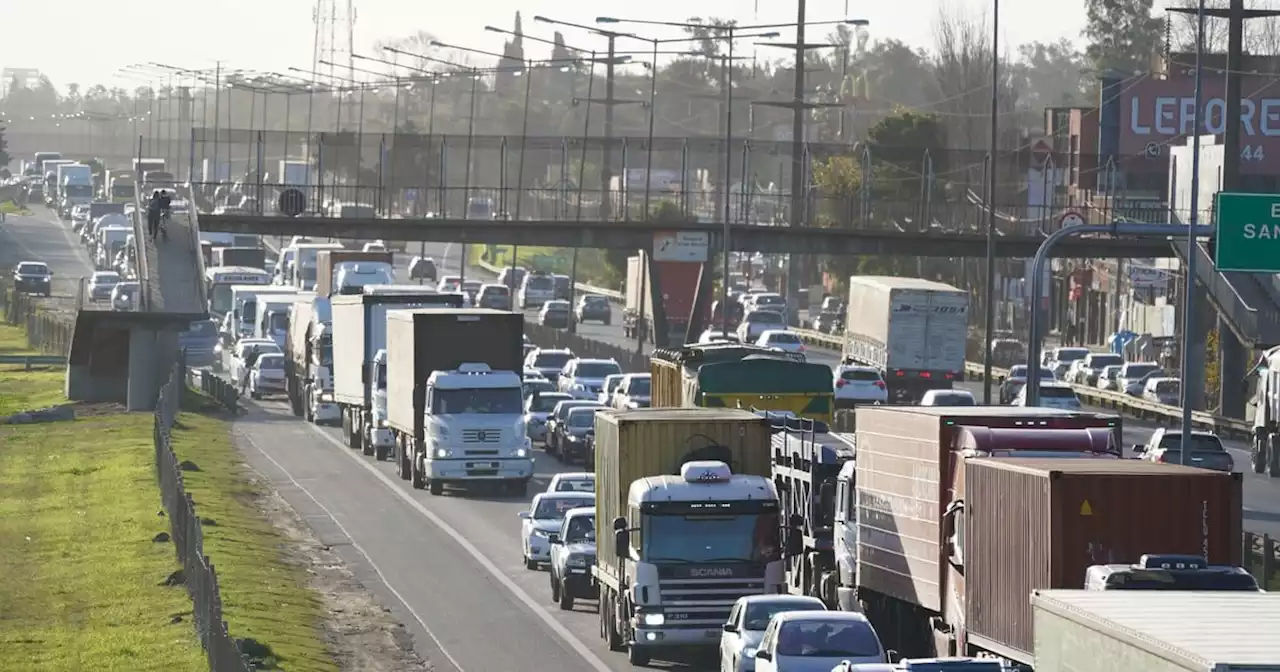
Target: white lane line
<point>541,612</point>
<point>356,545</point>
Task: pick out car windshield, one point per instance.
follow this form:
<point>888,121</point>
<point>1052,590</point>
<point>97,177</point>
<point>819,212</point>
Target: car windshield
<point>823,639</point>
<point>863,375</point>
<point>198,329</point>
<point>557,307</point>
<point>597,369</point>
<point>1055,392</point>
<point>531,386</point>
<point>278,321</point>
<point>1100,361</point>
<point>545,403</point>
<point>271,362</point>
<point>106,279</point>
<point>765,317</point>
<point>576,485</point>
<point>32,269</point>
<point>495,290</point>
<point>596,301</point>
<point>582,418</point>
<point>1140,370</point>
<point>477,400</point>
<point>1072,354</point>
<point>542,283</point>
<point>551,360</point>
<point>639,386</point>
<point>769,300</point>
<point>697,538</point>
<point>554,508</point>
<point>1200,443</point>
<point>1166,387</point>
<point>581,529</point>
<point>952,400</point>
<point>784,338</point>
<point>760,613</point>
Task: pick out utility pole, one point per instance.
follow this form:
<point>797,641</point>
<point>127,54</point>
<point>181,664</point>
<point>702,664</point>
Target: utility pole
<point>798,107</point>
<point>606,169</point>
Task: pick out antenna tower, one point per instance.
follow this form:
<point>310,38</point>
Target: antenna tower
<point>335,22</point>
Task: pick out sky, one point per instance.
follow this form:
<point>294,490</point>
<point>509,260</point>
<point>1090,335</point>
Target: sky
<point>272,35</point>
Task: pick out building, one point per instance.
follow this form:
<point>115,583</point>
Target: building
<point>27,77</point>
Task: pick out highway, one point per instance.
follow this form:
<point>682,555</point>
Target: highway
<point>44,237</point>
<point>450,567</point>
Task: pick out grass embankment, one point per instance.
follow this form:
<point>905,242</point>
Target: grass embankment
<point>592,266</point>
<point>265,597</point>
<point>82,577</point>
<point>11,208</point>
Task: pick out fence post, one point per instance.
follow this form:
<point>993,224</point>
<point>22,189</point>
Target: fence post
<point>1268,559</point>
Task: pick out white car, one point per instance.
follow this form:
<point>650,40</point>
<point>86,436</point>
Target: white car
<point>246,355</point>
<point>781,339</point>
<point>1061,359</point>
<point>1163,390</point>
<point>607,390</point>
<point>818,640</point>
<point>859,385</point>
<point>543,519</point>
<point>537,407</point>
<point>572,481</point>
<point>948,398</point>
<point>747,621</point>
<point>267,376</point>
<point>718,336</point>
<point>536,289</point>
<point>124,296</point>
<point>584,378</point>
<point>757,322</point>
<point>101,284</point>
<point>1133,377</point>
<point>548,361</point>
<point>1052,395</point>
<point>635,391</point>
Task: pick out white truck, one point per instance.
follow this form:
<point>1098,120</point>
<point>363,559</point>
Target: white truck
<point>455,398</point>
<point>1166,630</point>
<point>913,330</point>
<point>75,187</point>
<point>244,306</point>
<point>303,271</point>
<point>1264,455</point>
<point>359,338</point>
<point>272,319</point>
<point>308,363</point>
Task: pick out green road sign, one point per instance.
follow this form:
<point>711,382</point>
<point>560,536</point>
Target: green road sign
<point>1248,238</point>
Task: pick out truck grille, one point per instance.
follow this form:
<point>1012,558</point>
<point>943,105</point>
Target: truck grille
<point>482,436</point>
<point>700,604</point>
<point>480,452</point>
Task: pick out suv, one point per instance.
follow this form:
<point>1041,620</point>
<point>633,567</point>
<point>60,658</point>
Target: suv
<point>1088,370</point>
<point>494,297</point>
<point>1207,451</point>
<point>573,552</point>
<point>860,385</point>
<point>593,308</point>
<point>33,277</point>
<point>536,289</point>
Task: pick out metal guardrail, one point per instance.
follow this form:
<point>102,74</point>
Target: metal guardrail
<point>28,361</point>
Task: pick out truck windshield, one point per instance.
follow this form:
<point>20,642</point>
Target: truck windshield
<point>747,537</point>
<point>79,190</point>
<point>220,298</point>
<point>1210,579</point>
<point>480,400</point>
<point>326,352</point>
<point>278,321</point>
<point>122,190</point>
<point>307,273</point>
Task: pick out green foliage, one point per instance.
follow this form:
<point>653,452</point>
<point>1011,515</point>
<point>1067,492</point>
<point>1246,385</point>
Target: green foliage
<point>4,149</point>
<point>1123,35</point>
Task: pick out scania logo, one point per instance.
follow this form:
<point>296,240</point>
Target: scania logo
<point>709,572</point>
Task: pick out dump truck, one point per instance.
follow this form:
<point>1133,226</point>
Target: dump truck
<point>957,522</point>
<point>308,360</point>
<point>359,337</point>
<point>455,399</point>
<point>1155,630</point>
<point>678,282</point>
<point>681,474</point>
<point>913,330</point>
<point>733,375</point>
<point>371,268</point>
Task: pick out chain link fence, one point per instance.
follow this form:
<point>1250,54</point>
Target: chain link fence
<point>47,331</point>
<point>199,574</point>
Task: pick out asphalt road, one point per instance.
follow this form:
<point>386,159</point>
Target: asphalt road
<point>44,237</point>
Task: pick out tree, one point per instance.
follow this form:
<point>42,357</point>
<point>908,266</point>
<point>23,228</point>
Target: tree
<point>1050,74</point>
<point>1123,35</point>
<point>4,149</point>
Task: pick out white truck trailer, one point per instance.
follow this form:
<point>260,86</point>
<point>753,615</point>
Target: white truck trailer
<point>359,334</point>
<point>1155,631</point>
<point>913,330</point>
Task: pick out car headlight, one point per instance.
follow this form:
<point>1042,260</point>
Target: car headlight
<point>541,534</point>
<point>654,620</point>
<point>521,452</point>
<point>442,452</point>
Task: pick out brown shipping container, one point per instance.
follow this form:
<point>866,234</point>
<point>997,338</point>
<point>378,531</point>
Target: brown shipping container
<point>327,260</point>
<point>904,482</point>
<point>666,384</point>
<point>631,445</point>
<point>1037,524</point>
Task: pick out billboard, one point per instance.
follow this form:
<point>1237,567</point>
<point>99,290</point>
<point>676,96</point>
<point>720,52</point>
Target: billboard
<point>1158,113</point>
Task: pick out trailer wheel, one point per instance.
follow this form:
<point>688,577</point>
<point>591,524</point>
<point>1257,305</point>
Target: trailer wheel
<point>1257,454</point>
<point>358,437</point>
<point>417,478</point>
<point>437,488</point>
<point>380,453</point>
<point>1273,455</point>
<point>402,458</point>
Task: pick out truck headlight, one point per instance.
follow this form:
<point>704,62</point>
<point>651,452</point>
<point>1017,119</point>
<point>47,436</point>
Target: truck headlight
<point>521,452</point>
<point>654,620</point>
<point>442,453</point>
<point>381,423</point>
<point>326,397</point>
<point>749,652</point>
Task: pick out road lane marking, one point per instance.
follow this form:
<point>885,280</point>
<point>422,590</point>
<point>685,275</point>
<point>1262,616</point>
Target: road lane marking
<point>359,549</point>
<point>492,568</point>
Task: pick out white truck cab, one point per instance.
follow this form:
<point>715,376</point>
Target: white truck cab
<point>380,435</point>
<point>352,277</point>
<point>272,320</point>
<point>473,417</point>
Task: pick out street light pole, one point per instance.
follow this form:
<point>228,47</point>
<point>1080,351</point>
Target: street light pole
<point>1190,378</point>
<point>728,184</point>
<point>990,324</point>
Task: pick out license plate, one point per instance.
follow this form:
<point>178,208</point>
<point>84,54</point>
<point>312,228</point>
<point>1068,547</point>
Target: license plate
<point>482,465</point>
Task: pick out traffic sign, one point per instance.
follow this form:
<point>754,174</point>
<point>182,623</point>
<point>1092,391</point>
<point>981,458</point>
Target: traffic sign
<point>1070,218</point>
<point>1248,238</point>
<point>292,202</point>
<point>681,246</point>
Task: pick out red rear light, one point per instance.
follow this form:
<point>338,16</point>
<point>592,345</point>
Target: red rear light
<point>880,384</point>
<point>801,347</point>
<point>949,375</point>
<point>841,382</point>
<point>900,374</point>
<point>1163,458</point>
<point>926,374</point>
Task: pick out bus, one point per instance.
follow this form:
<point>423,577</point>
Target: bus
<point>219,280</point>
<point>37,161</point>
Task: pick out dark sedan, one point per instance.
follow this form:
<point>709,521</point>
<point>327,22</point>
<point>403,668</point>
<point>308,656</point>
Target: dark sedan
<point>594,308</point>
<point>33,277</point>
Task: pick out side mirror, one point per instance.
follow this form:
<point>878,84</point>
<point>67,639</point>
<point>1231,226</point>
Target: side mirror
<point>893,656</point>
<point>729,627</point>
<point>554,539</point>
<point>1139,449</point>
<point>524,515</point>
<point>793,542</point>
<point>763,655</point>
<point>621,538</point>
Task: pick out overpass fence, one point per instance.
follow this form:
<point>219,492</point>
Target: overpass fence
<point>199,575</point>
<point>563,177</point>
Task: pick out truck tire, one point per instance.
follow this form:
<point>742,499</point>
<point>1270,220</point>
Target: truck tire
<point>402,458</point>
<point>436,488</point>
<point>358,438</point>
<point>608,622</point>
<point>1273,455</point>
<point>380,453</point>
<point>416,477</point>
<point>1258,454</point>
<point>346,427</point>
<point>637,656</point>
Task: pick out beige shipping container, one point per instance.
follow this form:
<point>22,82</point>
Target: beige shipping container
<point>631,445</point>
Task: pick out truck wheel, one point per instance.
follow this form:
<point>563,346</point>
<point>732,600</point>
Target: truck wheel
<point>346,427</point>
<point>610,624</point>
<point>416,477</point>
<point>637,656</point>
<point>516,488</point>
<point>555,586</point>
<point>380,453</point>
<point>566,598</point>
<point>436,488</point>
<point>1257,455</point>
<point>358,438</point>
<point>402,459</point>
<point>1273,455</point>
